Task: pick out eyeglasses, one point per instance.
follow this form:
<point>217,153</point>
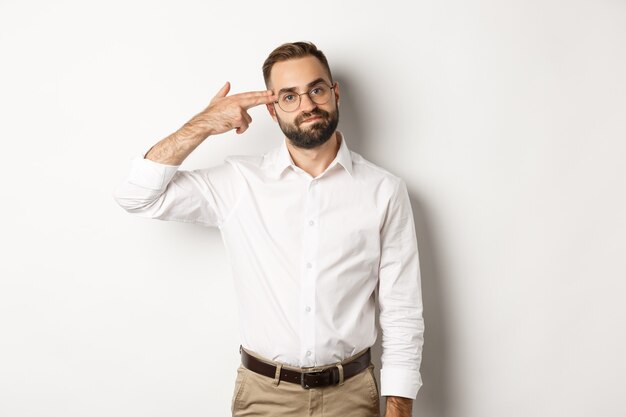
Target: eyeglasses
<point>290,101</point>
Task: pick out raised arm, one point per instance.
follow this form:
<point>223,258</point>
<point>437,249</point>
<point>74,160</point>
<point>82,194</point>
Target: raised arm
<point>223,113</point>
<point>157,189</point>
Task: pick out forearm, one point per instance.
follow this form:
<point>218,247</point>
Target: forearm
<point>221,115</point>
<point>399,407</point>
<point>175,148</point>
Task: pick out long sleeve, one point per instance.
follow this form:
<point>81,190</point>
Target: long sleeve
<point>157,191</point>
<point>400,300</point>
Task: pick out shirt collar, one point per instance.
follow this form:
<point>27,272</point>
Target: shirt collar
<point>283,158</point>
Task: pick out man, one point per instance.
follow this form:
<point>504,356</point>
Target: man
<point>312,230</point>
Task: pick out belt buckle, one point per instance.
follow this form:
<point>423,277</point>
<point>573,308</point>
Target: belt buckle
<point>303,375</point>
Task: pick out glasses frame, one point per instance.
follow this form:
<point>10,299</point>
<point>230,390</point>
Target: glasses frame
<point>308,93</point>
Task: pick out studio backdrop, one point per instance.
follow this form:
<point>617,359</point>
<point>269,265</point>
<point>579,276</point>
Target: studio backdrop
<point>506,120</point>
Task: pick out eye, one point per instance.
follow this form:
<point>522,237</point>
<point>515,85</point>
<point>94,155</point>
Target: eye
<point>317,91</point>
<point>287,98</point>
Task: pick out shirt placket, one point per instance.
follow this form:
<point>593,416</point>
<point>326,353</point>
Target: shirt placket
<point>310,270</point>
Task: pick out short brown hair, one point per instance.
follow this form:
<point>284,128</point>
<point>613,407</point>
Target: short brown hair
<point>293,50</point>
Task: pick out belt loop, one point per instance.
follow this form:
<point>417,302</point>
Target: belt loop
<point>279,367</point>
<point>340,366</point>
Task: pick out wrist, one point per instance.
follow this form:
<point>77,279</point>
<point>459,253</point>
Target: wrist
<point>400,404</point>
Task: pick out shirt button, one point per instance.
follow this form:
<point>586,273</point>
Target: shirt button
<point>307,309</point>
<point>308,353</point>
<point>311,222</point>
<point>308,265</point>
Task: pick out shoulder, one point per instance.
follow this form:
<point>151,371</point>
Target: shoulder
<point>375,174</point>
<point>253,161</point>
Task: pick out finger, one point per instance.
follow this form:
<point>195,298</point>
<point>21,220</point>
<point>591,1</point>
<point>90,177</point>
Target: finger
<point>247,117</point>
<point>223,91</point>
<point>249,100</point>
<point>242,128</point>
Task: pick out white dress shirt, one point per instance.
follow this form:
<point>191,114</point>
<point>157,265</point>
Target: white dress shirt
<point>307,254</point>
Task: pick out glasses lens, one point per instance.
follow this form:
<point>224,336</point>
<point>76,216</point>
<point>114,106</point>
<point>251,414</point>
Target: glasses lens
<point>289,101</point>
<point>320,94</point>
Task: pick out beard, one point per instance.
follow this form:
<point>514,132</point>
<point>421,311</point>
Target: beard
<point>316,133</point>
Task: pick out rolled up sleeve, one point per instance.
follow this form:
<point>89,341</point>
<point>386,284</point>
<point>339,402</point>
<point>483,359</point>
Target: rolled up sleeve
<point>400,299</point>
<point>158,191</point>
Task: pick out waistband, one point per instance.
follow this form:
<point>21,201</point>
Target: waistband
<point>305,369</point>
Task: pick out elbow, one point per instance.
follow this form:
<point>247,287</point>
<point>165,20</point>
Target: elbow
<point>132,203</point>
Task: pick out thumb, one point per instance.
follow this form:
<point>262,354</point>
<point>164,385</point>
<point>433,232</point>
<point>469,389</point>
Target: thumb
<point>224,90</point>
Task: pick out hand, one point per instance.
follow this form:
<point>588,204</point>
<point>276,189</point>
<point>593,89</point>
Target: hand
<point>398,407</point>
<point>228,112</point>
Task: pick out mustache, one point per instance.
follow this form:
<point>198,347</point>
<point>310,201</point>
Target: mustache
<point>316,112</point>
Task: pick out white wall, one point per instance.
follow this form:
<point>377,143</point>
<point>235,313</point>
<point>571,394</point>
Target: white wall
<point>506,119</point>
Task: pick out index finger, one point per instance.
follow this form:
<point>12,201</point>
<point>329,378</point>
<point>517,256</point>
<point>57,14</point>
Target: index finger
<point>255,98</point>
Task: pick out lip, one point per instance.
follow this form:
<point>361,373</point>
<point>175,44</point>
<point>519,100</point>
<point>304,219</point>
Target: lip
<point>311,119</point>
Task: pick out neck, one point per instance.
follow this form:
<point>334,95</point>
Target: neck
<point>315,161</point>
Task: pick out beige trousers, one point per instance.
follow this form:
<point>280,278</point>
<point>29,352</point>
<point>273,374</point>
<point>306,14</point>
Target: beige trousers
<point>260,396</point>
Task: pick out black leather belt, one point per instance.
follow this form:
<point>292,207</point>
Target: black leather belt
<point>324,378</point>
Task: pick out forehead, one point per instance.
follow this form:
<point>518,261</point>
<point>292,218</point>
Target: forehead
<point>297,72</point>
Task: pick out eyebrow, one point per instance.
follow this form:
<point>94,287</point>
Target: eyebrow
<point>293,89</point>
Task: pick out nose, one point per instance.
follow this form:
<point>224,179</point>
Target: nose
<point>306,104</point>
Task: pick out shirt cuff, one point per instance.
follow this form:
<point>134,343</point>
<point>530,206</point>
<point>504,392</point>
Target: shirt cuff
<point>399,382</point>
<point>149,174</point>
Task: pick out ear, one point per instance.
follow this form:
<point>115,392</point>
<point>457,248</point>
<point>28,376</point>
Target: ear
<point>272,111</point>
<point>337,93</point>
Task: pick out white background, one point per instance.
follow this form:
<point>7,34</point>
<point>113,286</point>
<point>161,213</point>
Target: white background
<point>506,119</point>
